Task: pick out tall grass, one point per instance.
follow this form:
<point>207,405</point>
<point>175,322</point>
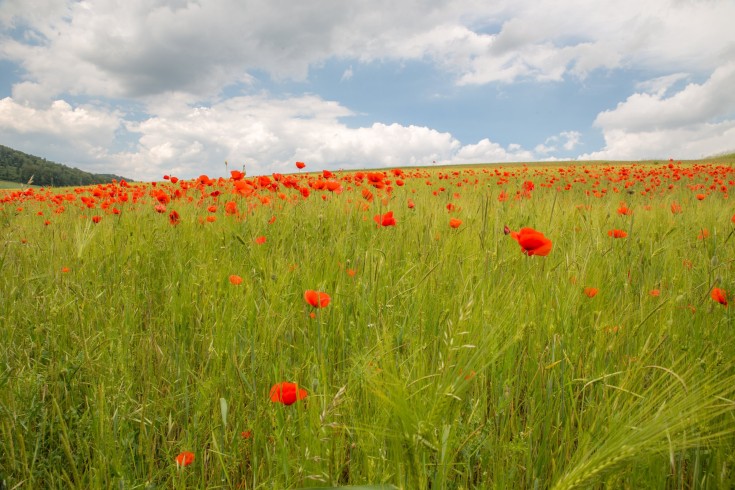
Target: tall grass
<point>448,360</point>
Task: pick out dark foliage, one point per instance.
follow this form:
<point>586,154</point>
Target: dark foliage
<point>16,166</point>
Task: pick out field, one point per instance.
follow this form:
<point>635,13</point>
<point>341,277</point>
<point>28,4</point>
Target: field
<point>525,326</point>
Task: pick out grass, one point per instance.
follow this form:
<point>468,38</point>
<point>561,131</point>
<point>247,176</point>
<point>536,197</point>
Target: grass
<point>445,359</point>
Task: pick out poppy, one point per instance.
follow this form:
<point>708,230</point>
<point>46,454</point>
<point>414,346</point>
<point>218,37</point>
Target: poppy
<point>455,223</point>
<point>96,219</point>
<point>532,242</point>
<point>617,233</point>
<point>174,218</point>
<point>231,207</point>
<point>719,295</point>
<point>300,165</point>
<point>317,299</point>
<point>624,210</point>
<point>185,458</point>
<point>235,279</point>
<point>591,292</point>
<point>386,219</point>
<point>260,240</point>
<point>655,292</point>
<point>287,393</point>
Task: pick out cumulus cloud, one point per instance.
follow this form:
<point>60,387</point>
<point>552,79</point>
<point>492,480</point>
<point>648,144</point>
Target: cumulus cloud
<point>566,140</point>
<point>74,135</point>
<point>262,133</point>
<point>140,48</point>
<point>696,121</point>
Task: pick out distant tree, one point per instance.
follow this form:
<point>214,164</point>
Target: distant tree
<point>16,166</point>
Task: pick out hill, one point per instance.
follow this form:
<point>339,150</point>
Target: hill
<point>16,166</point>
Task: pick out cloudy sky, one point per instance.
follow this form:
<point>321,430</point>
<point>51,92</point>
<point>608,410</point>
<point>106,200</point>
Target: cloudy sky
<point>144,88</point>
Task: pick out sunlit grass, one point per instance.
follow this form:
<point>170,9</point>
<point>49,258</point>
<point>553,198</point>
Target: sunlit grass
<point>446,358</point>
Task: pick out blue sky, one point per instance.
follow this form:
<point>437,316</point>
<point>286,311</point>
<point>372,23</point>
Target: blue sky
<point>146,88</point>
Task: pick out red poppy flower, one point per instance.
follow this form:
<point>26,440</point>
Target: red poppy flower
<point>386,219</point>
<point>532,242</point>
<point>174,218</point>
<point>317,299</point>
<point>655,292</point>
<point>591,292</point>
<point>231,207</point>
<point>287,393</point>
<point>235,279</point>
<point>719,295</point>
<point>184,458</point>
<point>300,165</point>
<point>617,233</point>
<point>455,223</point>
<point>624,210</point>
<point>96,219</point>
<point>260,240</point>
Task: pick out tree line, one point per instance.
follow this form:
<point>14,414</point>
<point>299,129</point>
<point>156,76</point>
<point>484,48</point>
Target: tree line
<point>16,166</point>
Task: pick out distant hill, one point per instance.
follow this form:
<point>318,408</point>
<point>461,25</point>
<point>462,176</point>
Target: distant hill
<point>16,166</point>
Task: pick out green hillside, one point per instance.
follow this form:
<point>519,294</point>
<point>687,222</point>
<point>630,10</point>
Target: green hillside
<point>16,166</point>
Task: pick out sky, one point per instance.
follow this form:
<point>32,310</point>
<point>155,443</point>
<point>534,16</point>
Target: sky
<point>143,88</point>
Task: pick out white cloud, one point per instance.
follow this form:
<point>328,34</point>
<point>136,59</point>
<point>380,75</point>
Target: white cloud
<point>697,121</point>
<point>138,48</point>
<point>486,151</point>
<point>264,134</point>
<point>347,74</point>
<point>567,140</point>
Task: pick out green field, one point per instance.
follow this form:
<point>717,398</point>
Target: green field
<point>445,358</point>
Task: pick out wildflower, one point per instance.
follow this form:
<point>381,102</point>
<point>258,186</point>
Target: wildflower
<point>287,393</point>
<point>160,208</point>
<point>617,233</point>
<point>624,210</point>
<point>185,458</point>
<point>260,240</point>
<point>351,272</point>
<point>700,197</point>
<point>591,292</point>
<point>317,299</point>
<point>231,207</point>
<point>455,223</point>
<point>300,165</point>
<point>246,434</point>
<point>235,279</point>
<point>703,234</point>
<point>411,205</point>
<point>675,208</point>
<point>96,219</point>
<point>386,219</point>
<point>64,269</point>
<point>174,218</point>
<point>719,295</point>
<point>532,242</point>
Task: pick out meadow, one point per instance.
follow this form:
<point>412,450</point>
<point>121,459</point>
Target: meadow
<point>516,326</point>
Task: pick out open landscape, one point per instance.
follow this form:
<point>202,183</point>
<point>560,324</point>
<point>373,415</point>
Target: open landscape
<point>562,325</point>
